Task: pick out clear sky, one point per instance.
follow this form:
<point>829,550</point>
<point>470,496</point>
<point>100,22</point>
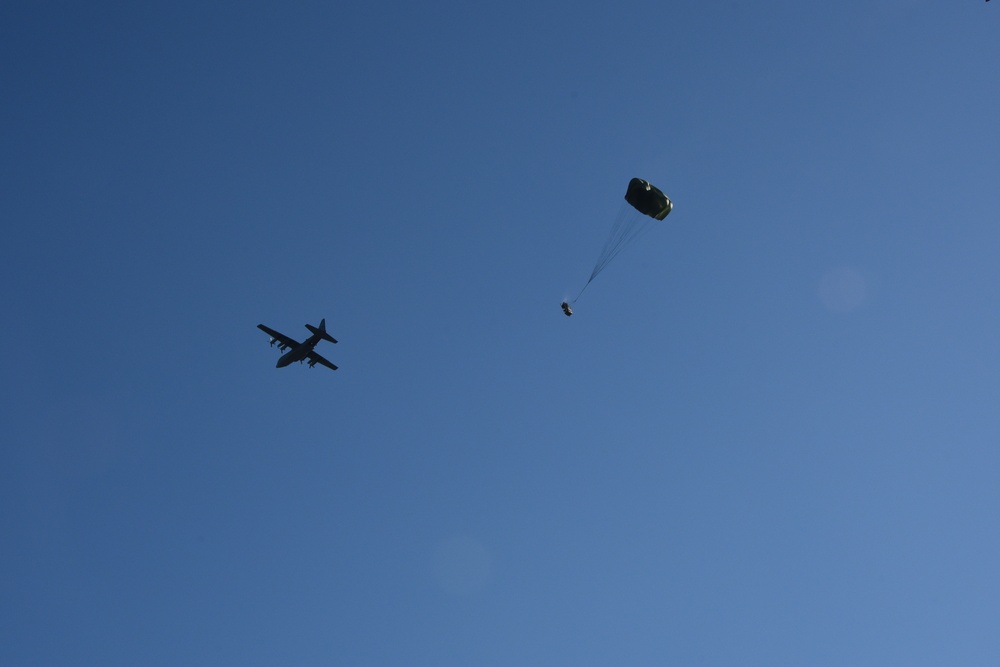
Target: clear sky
<point>768,435</point>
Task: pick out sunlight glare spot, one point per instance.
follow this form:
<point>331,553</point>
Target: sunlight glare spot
<point>462,566</point>
<point>842,290</point>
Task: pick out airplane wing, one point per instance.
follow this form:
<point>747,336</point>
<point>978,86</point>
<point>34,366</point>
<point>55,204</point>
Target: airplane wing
<point>280,337</point>
<point>316,359</point>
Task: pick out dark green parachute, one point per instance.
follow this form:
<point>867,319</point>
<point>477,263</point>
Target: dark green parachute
<point>645,203</point>
<point>648,199</point>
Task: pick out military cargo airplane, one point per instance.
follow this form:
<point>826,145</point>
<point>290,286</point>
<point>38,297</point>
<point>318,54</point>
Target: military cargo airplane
<point>300,351</point>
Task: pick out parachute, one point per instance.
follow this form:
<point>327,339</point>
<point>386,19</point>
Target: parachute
<point>644,203</point>
<point>648,199</point>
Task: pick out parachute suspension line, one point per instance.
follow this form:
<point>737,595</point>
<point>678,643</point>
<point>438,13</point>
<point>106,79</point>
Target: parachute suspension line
<point>618,231</point>
<point>628,226</point>
<point>635,226</point>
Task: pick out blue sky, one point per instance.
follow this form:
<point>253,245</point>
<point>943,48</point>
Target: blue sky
<point>768,435</point>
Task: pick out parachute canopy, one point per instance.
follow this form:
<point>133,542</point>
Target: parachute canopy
<point>648,199</point>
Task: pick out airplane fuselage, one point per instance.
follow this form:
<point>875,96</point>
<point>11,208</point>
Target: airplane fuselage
<point>298,353</point>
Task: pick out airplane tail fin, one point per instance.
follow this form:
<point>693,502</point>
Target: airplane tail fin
<point>321,330</point>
